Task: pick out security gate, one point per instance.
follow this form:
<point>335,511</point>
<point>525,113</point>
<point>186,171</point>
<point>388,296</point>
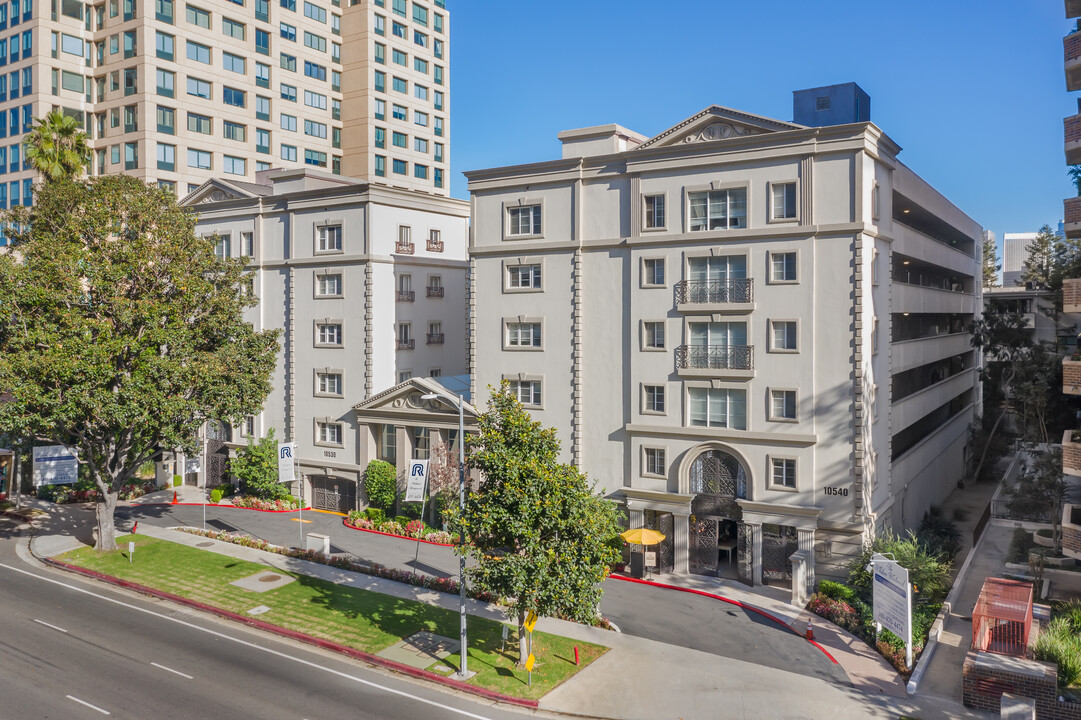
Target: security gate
<point>778,544</point>
<point>334,494</point>
<point>703,550</point>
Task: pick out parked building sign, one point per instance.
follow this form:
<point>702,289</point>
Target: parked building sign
<point>55,465</point>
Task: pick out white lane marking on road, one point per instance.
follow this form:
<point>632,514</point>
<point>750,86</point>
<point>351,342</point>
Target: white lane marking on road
<point>169,669</point>
<point>54,627</point>
<point>253,646</point>
<point>84,702</point>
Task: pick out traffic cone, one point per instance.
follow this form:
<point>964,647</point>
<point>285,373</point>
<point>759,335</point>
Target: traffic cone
<point>175,501</point>
<point>810,633</point>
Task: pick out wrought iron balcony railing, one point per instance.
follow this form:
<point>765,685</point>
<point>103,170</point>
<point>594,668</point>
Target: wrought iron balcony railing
<point>406,296</point>
<point>715,357</point>
<point>404,248</point>
<point>435,338</point>
<point>714,291</point>
<point>435,291</point>
<point>406,344</point>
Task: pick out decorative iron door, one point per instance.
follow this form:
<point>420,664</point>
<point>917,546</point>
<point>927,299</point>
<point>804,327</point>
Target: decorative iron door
<point>666,555</point>
<point>335,494</point>
<point>745,555</point>
<point>778,544</point>
<point>703,550</point>
<point>217,462</point>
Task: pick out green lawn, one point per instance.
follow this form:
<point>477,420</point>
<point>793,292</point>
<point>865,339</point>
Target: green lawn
<point>364,620</point>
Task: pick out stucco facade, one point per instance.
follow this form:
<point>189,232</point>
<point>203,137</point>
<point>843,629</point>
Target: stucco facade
<point>750,331</point>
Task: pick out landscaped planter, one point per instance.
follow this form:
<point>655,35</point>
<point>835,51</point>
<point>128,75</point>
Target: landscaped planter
<point>1071,452</point>
<point>1071,376</point>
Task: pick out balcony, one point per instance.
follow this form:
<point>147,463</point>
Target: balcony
<point>404,248</point>
<point>1071,377</point>
<point>715,360</point>
<point>1073,9</point>
<point>435,291</point>
<point>406,344</point>
<point>435,245</point>
<point>715,295</point>
<point>1071,212</point>
<point>435,339</point>
<point>1071,131</point>
<point>1071,295</point>
<point>1071,46</point>
<point>1071,453</point>
<point>406,296</point>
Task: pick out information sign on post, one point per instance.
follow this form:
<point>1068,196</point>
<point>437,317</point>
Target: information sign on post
<point>418,480</point>
<point>55,465</point>
<point>892,597</point>
<point>286,468</point>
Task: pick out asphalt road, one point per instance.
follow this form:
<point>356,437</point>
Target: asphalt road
<point>73,649</point>
<point>668,616</point>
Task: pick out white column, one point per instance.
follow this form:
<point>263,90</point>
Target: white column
<point>682,543</point>
<point>806,540</point>
<point>756,552</point>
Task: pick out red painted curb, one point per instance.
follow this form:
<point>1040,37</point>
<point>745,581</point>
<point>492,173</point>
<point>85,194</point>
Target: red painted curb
<point>751,608</point>
<point>234,507</point>
<point>294,635</point>
<point>400,537</point>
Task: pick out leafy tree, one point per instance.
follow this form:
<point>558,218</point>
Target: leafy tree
<point>1075,177</point>
<point>535,531</point>
<point>991,265</point>
<point>256,467</point>
<point>928,570</point>
<point>381,484</point>
<point>122,330</point>
<point>57,147</point>
<point>1041,490</point>
<point>1039,267</point>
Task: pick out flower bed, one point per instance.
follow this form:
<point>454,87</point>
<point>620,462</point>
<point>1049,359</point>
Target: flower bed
<point>254,503</point>
<point>66,494</point>
<point>413,529</point>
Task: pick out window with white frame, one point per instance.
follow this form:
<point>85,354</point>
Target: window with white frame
<point>712,407</point>
<point>653,272</point>
<point>328,285</point>
<point>329,238</point>
<point>329,433</point>
<point>784,335</point>
<point>783,472</point>
<point>247,244</point>
<point>404,375</point>
<point>247,429</point>
<point>435,372</point>
<point>524,277</point>
<point>405,333</point>
<point>329,383</point>
<point>718,209</point>
<point>782,267</point>
<point>653,461</point>
<point>388,443</point>
<point>523,334</point>
<point>329,333</point>
<point>653,399</point>
<point>654,212</point>
<point>783,201</point>
<point>405,234</point>
<point>422,443</point>
<point>653,332</point>
<point>782,404</point>
<point>524,220</point>
<point>527,392</point>
<point>224,247</point>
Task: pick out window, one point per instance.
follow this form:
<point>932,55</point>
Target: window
<point>234,97</point>
<point>380,109</point>
<point>166,157</point>
<point>200,124</point>
<point>315,71</point>
<point>654,216</point>
<point>289,152</point>
<point>653,399</point>
<point>329,285</point>
<point>653,272</point>
<point>718,209</point>
<point>399,30</point>
<point>223,246</point>
<point>420,14</point>
<point>422,443</point>
<point>524,220</point>
<point>262,42</point>
<point>420,118</point>
<point>163,11</point>
<point>421,39</point>
<point>399,139</point>
<point>708,407</point>
<point>233,63</point>
<point>329,238</point>
<point>782,404</point>
<point>197,52</point>
<point>329,383</point>
<point>653,335</point>
<point>400,167</point>
<point>315,12</point>
<point>166,120</point>
<point>380,166</point>
<point>388,442</point>
<point>164,46</point>
<point>199,159</point>
<point>524,276</point>
<point>783,472</point>
<point>289,4</point>
<point>380,83</point>
<point>653,461</point>
<point>235,131</point>
<point>380,137</point>
<point>783,201</point>
<point>315,42</point>
<point>287,62</point>
<point>420,66</point>
<point>527,392</point>
<point>198,17</point>
<point>329,333</point>
<point>784,335</point>
<point>288,32</point>
<point>247,429</point>
<point>315,100</point>
<point>437,74</point>
<point>262,108</point>
<point>420,171</point>
<point>315,157</point>
<point>400,85</point>
<point>380,25</point>
<point>420,92</point>
<point>288,92</point>
<point>289,122</point>
<point>232,28</point>
<point>439,152</point>
<point>247,244</point>
<point>523,335</point>
<point>315,129</point>
<point>782,267</point>
<point>399,58</point>
<point>262,75</point>
<point>329,433</point>
<point>400,112</point>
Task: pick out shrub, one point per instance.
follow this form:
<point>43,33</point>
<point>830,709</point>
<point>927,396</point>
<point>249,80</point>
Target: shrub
<point>1071,611</point>
<point>415,529</point>
<point>1044,533</point>
<point>216,495</point>
<point>380,482</point>
<point>376,515</point>
<point>939,533</point>
<point>392,527</point>
<point>177,480</point>
<point>256,467</point>
<point>836,591</point>
<point>928,570</point>
<point>402,520</point>
<point>411,510</point>
<point>1059,643</point>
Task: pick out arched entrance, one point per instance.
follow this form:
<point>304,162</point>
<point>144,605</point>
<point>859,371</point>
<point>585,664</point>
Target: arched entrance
<point>217,453</point>
<point>717,479</point>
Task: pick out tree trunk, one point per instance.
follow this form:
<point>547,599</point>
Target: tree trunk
<point>106,510</point>
<point>987,445</point>
<point>523,640</point>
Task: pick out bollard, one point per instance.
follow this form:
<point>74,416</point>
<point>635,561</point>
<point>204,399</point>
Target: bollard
<point>576,655</point>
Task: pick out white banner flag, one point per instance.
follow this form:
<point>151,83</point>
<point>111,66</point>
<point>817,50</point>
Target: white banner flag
<point>286,467</point>
<point>418,480</point>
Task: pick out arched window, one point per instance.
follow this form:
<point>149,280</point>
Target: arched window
<point>715,472</point>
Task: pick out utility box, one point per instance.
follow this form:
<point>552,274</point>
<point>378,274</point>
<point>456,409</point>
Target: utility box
<point>318,543</point>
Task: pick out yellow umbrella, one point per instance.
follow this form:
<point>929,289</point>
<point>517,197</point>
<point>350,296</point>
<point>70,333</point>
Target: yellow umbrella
<point>642,536</point>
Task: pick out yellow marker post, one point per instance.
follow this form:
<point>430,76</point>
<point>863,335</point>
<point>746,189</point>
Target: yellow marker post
<point>529,666</point>
<point>530,621</point>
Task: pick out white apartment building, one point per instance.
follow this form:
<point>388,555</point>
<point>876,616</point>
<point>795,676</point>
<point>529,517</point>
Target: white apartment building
<point>1014,255</point>
<point>179,92</point>
<point>752,332</point>
<point>367,284</point>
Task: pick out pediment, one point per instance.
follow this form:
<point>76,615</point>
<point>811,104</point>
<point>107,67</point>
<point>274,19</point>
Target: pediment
<point>214,191</point>
<point>407,398</point>
<point>716,123</point>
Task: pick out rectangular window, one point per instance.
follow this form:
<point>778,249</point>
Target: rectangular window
<point>380,166</point>
<point>783,472</point>
<point>234,165</point>
<point>388,443</point>
<point>399,58</point>
<point>421,39</point>
<point>524,335</point>
<point>329,285</point>
<point>399,7</point>
<point>420,145</point>
<point>262,42</point>
<point>708,407</point>
<point>198,17</point>
<point>315,42</point>
<point>166,118</point>
<point>198,159</point>
<point>654,398</point>
<point>262,75</point>
<point>420,92</point>
<point>420,171</point>
<point>420,118</point>
<point>234,97</point>
<point>163,11</point>
<point>315,100</point>
<point>289,5</point>
<point>380,25</point>
<point>400,85</point>
<point>400,167</point>
<point>315,129</point>
<point>233,63</point>
<point>422,443</point>
<point>223,248</point>
<point>329,238</point>
<point>524,276</point>
<point>314,71</point>
<point>330,433</point>
<point>653,461</point>
<point>233,29</point>
<point>329,383</point>
<point>164,46</point>
<point>527,392</point>
<point>654,212</point>
<point>289,152</point>
<point>247,244</point>
<point>654,335</point>
<point>782,404</point>
<point>197,52</point>
<point>782,267</point>
<point>287,62</point>
<point>399,30</point>
<point>718,209</point>
<point>437,48</point>
<point>315,157</point>
<point>525,220</point>
<point>400,139</point>
<point>315,12</point>
<point>234,131</point>
<point>784,201</point>
<point>420,65</point>
<point>166,157</point>
<point>288,122</point>
<point>262,108</point>
<point>653,272</point>
<point>400,112</point>
<point>330,333</point>
<point>380,137</point>
<point>73,45</point>
<point>784,335</point>
<point>262,140</point>
<point>200,124</point>
<point>438,152</point>
<point>380,109</point>
<point>437,74</point>
<point>288,92</point>
<point>287,32</point>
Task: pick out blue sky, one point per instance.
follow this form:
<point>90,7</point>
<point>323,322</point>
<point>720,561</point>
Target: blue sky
<point>974,92</point>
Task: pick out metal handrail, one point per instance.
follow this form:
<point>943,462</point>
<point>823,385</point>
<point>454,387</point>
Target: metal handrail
<point>715,291</point>
<point>406,296</point>
<point>715,357</point>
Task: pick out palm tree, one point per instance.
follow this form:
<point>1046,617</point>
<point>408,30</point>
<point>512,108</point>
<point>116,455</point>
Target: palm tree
<point>57,146</point>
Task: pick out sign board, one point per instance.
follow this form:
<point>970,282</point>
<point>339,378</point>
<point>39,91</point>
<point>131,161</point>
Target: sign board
<point>55,465</point>
<point>417,481</point>
<point>286,462</point>
<point>891,598</point>
<point>529,662</point>
<point>7,460</point>
<point>530,621</point>
<point>651,559</point>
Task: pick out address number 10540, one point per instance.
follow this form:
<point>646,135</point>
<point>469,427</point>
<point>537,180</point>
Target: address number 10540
<point>842,491</point>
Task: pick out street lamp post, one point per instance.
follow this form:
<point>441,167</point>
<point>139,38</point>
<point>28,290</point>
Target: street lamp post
<point>463,671</point>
